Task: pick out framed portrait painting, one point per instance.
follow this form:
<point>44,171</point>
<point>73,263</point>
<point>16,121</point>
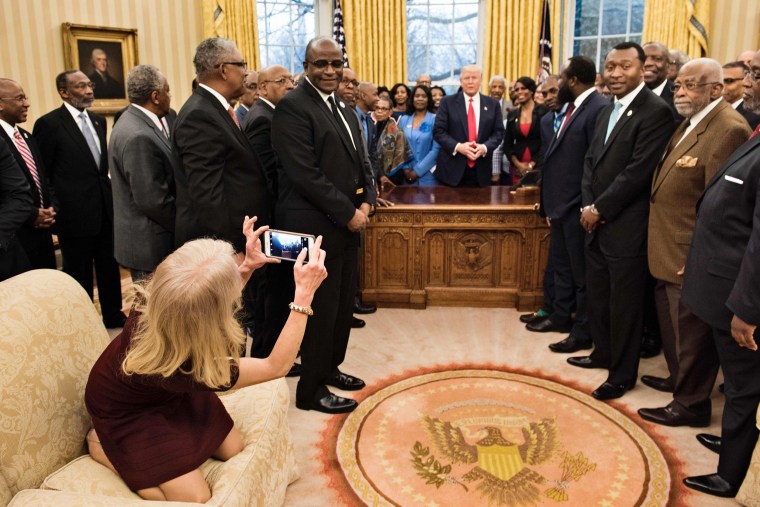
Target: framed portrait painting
<point>105,55</point>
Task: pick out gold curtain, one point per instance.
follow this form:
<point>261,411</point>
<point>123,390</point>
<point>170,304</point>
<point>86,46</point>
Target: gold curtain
<point>679,24</point>
<point>235,20</point>
<point>376,39</point>
<point>512,33</point>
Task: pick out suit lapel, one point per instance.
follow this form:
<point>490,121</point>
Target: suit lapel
<point>12,145</point>
<point>325,109</point>
<point>225,114</point>
<point>156,131</point>
<point>485,118</point>
<point>72,127</point>
<point>558,138</point>
<point>625,117</point>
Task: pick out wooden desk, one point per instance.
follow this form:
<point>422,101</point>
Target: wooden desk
<point>455,247</point>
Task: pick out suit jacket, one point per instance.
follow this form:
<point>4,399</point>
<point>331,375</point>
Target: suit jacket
<point>83,188</point>
<point>142,165</point>
<point>15,208</point>
<point>681,178</point>
<point>617,175</point>
<point>106,88</point>
<point>563,157</point>
<point>257,126</point>
<point>752,118</point>
<point>219,179</point>
<point>323,178</point>
<point>48,193</point>
<point>722,275</point>
<point>514,140</point>
<point>450,129</point>
<point>423,146</point>
<point>241,111</point>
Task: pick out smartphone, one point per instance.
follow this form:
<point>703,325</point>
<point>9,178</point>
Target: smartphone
<point>287,245</point>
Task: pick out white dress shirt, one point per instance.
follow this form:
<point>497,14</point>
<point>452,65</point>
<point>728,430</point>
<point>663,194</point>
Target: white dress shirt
<point>694,120</point>
<point>338,102</point>
<point>159,122</point>
<point>75,114</point>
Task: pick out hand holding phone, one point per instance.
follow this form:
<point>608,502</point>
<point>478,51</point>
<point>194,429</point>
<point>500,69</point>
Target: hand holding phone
<point>309,275</point>
<point>254,257</point>
<point>287,245</point>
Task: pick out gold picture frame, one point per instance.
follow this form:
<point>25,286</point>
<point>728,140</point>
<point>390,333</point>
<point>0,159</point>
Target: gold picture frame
<point>105,55</point>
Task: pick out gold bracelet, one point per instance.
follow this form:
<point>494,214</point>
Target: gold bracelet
<point>306,310</point>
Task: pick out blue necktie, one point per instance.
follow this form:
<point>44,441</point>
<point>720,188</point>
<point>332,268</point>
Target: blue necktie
<point>613,119</point>
<point>90,140</point>
<point>558,117</point>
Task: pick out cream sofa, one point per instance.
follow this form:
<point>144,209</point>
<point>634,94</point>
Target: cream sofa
<point>749,493</point>
<point>50,336</point>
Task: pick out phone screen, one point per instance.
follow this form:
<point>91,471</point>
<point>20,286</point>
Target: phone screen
<point>287,246</point>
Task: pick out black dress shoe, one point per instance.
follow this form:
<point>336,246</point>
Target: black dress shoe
<point>650,347</point>
<point>585,362</point>
<point>531,317</point>
<point>609,391</point>
<point>361,309</point>
<point>570,344</point>
<point>330,404</point>
<point>115,321</point>
<point>357,323</point>
<point>712,442</point>
<point>673,415</point>
<point>712,484</point>
<point>345,382</point>
<point>660,384</point>
<point>295,370</point>
<point>548,326</point>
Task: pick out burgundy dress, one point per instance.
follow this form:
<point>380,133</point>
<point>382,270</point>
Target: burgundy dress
<point>153,429</point>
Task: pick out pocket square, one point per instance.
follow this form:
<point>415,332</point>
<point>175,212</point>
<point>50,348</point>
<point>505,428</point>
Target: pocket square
<point>687,161</point>
<point>733,180</point>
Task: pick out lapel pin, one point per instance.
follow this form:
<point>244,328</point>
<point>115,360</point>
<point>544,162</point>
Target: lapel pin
<point>629,113</point>
<point>342,105</point>
<point>485,109</point>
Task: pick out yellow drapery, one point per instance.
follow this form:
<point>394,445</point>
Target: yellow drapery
<point>679,24</point>
<point>235,20</point>
<point>376,39</point>
<point>512,33</point>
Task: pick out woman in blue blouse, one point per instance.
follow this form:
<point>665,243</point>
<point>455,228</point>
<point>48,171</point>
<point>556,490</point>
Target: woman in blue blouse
<point>417,124</point>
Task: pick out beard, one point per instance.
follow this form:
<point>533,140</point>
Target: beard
<point>689,109</point>
<point>82,103</point>
<point>753,103</point>
<point>564,95</point>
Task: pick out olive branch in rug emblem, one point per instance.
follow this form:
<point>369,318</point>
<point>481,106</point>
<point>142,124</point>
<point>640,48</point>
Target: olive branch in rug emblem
<point>501,468</point>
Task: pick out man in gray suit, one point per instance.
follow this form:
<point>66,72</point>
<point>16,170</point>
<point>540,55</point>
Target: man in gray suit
<point>142,171</point>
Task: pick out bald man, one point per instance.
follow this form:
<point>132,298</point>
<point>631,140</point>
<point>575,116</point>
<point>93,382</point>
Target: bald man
<point>468,127</point>
<point>746,57</point>
<point>424,80</point>
<point>711,131</point>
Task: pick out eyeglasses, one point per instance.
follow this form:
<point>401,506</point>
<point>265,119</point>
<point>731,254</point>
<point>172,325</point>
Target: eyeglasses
<point>378,108</point>
<point>321,64</point>
<point>691,85</point>
<point>732,80</point>
<point>281,82</point>
<point>754,76</point>
<point>545,93</point>
<point>82,86</point>
<point>20,98</point>
<point>252,86</point>
<point>352,82</point>
<point>243,64</point>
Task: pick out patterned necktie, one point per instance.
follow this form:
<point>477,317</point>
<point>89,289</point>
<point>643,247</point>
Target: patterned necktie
<point>472,132</point>
<point>90,139</point>
<point>233,116</point>
<point>613,119</point>
<point>26,154</point>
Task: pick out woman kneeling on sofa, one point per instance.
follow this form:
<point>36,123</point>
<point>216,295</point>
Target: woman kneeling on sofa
<point>151,394</point>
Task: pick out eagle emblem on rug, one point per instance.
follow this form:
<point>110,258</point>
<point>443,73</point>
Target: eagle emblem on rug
<point>502,468</point>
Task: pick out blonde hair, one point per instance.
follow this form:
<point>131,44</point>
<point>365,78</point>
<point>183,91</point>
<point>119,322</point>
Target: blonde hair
<point>188,316</point>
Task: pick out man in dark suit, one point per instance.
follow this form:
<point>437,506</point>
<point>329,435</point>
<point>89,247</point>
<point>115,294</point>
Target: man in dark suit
<point>219,179</point>
<point>562,160</point>
<point>34,235</point>
<point>722,287</point>
<point>16,207</point>
<point>656,74</point>
<point>325,188</point>
<point>469,127</point>
<point>142,163</point>
<point>711,131</point>
<point>72,142</point>
<point>630,136</point>
<point>733,91</point>
<point>105,86</point>
<point>274,82</point>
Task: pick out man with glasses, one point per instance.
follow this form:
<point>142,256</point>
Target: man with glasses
<point>34,235</point>
<point>710,132</point>
<point>733,91</point>
<point>721,285</point>
<point>219,179</point>
<point>347,88</point>
<point>72,141</point>
<point>325,188</point>
<point>249,97</point>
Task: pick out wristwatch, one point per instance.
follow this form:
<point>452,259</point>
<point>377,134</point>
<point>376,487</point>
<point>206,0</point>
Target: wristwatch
<point>372,210</point>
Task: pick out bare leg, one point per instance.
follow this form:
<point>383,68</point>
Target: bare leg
<point>231,446</point>
<point>96,450</point>
<point>191,487</point>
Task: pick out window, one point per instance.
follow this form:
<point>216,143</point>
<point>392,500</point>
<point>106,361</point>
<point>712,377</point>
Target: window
<point>285,26</point>
<point>600,25</point>
<point>442,37</point>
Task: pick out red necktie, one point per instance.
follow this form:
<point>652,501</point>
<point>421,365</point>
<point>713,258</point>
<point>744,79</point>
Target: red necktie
<point>757,129</point>
<point>23,149</point>
<point>233,116</point>
<point>472,132</point>
<point>569,111</point>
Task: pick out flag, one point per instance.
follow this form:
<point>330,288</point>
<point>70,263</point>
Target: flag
<point>338,33</point>
<point>544,46</point>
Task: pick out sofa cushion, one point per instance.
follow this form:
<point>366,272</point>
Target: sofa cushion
<point>258,475</point>
<point>50,336</point>
<point>42,498</point>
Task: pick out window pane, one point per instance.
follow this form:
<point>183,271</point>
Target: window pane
<point>615,17</point>
<point>466,24</point>
<point>440,64</point>
<point>637,16</point>
<point>417,60</point>
<point>586,17</point>
<point>285,26</point>
<point>417,25</point>
<point>621,20</point>
<point>608,44</point>
<point>586,47</point>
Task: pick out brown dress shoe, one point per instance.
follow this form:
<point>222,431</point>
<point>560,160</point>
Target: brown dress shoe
<point>674,415</point>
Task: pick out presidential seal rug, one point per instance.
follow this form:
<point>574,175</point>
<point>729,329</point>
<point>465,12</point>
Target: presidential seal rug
<point>483,436</point>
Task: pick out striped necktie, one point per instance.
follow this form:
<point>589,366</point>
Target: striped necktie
<point>26,154</point>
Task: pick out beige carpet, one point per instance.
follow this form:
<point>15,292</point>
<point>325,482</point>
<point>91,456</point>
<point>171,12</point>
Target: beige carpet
<point>397,344</point>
